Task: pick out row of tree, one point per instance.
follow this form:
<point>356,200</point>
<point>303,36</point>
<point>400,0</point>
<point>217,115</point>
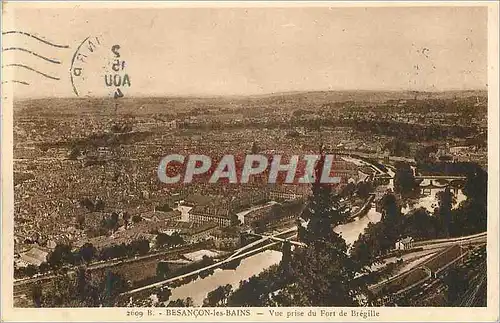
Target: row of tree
<point>64,255</point>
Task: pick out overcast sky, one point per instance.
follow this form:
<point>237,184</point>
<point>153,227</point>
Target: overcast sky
<point>223,51</point>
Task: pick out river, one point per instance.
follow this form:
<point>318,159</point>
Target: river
<point>199,288</point>
<point>351,231</point>
<point>255,264</point>
<point>428,201</point>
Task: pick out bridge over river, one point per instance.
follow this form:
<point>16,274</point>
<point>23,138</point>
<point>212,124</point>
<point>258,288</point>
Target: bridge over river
<point>240,253</point>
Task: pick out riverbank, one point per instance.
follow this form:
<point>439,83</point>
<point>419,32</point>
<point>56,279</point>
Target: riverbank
<point>363,210</point>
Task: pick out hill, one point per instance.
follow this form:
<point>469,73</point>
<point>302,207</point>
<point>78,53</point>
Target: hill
<point>166,105</point>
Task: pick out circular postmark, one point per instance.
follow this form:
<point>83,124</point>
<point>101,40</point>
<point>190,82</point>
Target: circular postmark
<point>98,68</point>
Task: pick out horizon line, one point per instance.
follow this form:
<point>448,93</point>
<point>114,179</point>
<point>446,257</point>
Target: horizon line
<point>209,96</point>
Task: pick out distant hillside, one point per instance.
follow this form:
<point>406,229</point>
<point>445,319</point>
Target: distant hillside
<point>377,96</point>
<point>289,100</point>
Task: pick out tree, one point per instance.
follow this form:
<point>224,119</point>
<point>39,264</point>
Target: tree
<point>113,223</point>
<point>126,217</point>
<point>472,214</point>
<point>112,285</point>
<point>421,225</point>
<point>162,269</point>
<point>301,231</point>
<point>80,290</point>
<point>445,200</point>
<point>234,220</point>
<point>258,226</point>
<point>164,208</point>
<point>388,230</point>
<point>176,239</point>
<point>255,291</point>
<point>323,276</point>
<point>276,211</point>
<point>188,302</point>
<point>347,190</point>
<point>88,204</point>
<point>36,294</point>
<point>404,180</point>
<point>378,238</point>
<point>99,204</point>
<point>136,218</point>
<point>361,251</point>
<point>164,294</point>
<point>476,184</point>
<point>140,247</point>
<point>162,239</point>
<point>87,252</point>
<point>80,220</point>
<point>324,210</point>
<point>31,270</point>
<point>390,208</point>
<point>364,189</point>
<point>286,258</point>
<point>61,293</point>
<point>82,283</point>
<point>323,272</point>
<point>116,251</point>
<point>61,254</point>
<point>218,297</point>
<point>422,154</point>
<point>44,267</point>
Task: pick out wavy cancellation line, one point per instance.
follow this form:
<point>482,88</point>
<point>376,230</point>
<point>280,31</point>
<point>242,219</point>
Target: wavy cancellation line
<point>34,37</point>
<point>32,69</point>
<point>51,60</point>
<point>15,81</point>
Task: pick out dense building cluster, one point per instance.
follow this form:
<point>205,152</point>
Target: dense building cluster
<point>85,176</point>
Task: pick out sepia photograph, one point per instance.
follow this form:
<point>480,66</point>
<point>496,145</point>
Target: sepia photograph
<point>248,162</point>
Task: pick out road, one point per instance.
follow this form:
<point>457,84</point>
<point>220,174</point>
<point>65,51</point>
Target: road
<point>415,257</point>
<point>264,238</point>
<point>296,243</point>
<point>443,243</point>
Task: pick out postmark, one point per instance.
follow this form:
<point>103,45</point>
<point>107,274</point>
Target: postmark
<point>99,67</point>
